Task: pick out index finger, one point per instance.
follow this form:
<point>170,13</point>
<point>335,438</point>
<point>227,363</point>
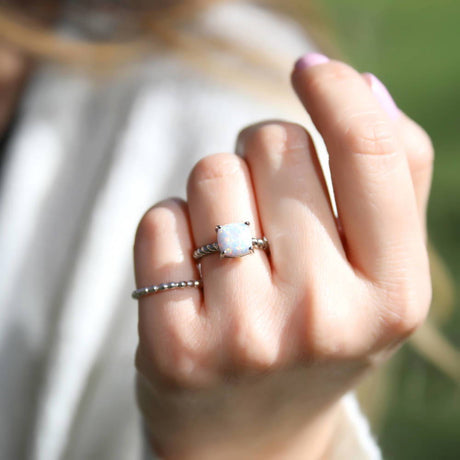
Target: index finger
<point>370,174</point>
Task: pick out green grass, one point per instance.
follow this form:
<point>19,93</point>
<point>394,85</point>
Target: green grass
<point>412,45</point>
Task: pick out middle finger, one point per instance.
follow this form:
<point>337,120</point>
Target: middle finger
<point>219,192</point>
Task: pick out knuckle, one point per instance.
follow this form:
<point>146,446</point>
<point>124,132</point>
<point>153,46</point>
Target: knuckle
<point>177,364</point>
<point>273,137</point>
<point>331,339</point>
<point>370,136</point>
<point>180,354</point>
<point>253,349</point>
<point>409,309</point>
<point>420,149</point>
<point>158,220</point>
<point>276,144</point>
<point>332,348</point>
<point>319,79</point>
<point>166,362</point>
<point>216,166</point>
<point>265,136</point>
<point>424,144</point>
<point>330,323</point>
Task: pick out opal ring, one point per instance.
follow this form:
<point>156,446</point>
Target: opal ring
<point>138,293</point>
<point>233,240</point>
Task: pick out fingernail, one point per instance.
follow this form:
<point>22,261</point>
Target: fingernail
<point>310,60</point>
<point>383,95</point>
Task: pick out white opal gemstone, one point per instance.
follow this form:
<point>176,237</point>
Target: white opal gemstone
<point>234,240</point>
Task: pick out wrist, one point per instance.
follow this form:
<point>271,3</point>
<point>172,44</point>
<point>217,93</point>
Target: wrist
<point>310,441</point>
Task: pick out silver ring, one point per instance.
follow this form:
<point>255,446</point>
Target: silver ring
<point>233,240</point>
<point>138,293</point>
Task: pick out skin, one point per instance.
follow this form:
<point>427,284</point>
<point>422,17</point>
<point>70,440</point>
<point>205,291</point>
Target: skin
<point>253,365</point>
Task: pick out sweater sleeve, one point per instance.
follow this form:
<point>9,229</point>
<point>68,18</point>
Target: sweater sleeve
<point>352,437</point>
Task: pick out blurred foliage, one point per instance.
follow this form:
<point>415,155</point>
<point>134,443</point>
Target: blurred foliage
<point>412,45</point>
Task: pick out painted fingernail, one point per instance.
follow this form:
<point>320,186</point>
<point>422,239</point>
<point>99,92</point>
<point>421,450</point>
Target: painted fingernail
<point>310,60</point>
<point>383,95</point>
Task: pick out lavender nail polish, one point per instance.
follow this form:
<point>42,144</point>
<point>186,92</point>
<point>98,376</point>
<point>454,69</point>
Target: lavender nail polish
<point>310,60</point>
<point>383,96</point>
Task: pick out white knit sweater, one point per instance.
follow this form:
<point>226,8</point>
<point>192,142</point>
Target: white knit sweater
<point>86,160</point>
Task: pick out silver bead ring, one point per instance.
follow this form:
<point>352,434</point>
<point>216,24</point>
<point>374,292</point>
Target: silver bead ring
<point>233,240</point>
<point>138,293</point>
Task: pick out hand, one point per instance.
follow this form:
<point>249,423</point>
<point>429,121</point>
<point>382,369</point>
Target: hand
<point>253,366</point>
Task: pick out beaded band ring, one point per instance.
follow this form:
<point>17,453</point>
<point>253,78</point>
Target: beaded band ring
<point>138,293</point>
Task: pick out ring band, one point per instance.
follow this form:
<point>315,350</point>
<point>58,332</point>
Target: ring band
<point>154,289</point>
<point>233,240</point>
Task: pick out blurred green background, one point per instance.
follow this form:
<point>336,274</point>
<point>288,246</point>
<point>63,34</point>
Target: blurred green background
<point>412,45</point>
